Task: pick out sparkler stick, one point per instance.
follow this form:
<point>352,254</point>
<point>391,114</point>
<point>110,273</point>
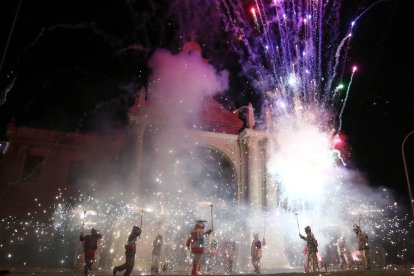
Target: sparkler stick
<point>142,214</point>
<point>212,222</point>
<point>79,245</point>
<point>140,224</point>
<point>83,221</point>
<point>297,221</point>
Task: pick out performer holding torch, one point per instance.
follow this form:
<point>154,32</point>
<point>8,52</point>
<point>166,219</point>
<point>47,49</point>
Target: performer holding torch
<point>363,245</point>
<point>312,249</point>
<point>256,252</point>
<point>196,241</point>
<point>90,248</point>
<point>130,250</point>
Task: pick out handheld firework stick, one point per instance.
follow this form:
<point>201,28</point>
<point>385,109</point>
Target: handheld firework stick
<point>212,222</point>
<point>297,221</point>
<point>140,224</point>
<point>83,221</point>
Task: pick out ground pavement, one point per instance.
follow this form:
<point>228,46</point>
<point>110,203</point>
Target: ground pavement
<point>361,272</point>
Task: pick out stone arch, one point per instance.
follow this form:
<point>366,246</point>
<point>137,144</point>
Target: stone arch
<point>211,171</point>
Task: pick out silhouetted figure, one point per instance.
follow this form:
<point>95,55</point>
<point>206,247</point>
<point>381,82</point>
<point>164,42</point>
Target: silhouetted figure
<point>312,249</point>
<point>363,246</point>
<point>90,248</point>
<point>156,254</point>
<point>130,250</point>
<point>256,252</point>
<point>229,253</point>
<point>344,260</point>
<point>196,242</point>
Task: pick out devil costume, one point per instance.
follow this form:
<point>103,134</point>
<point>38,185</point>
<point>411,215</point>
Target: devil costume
<point>196,242</point>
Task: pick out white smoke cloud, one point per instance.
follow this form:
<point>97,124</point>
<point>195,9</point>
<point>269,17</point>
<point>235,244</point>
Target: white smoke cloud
<point>179,82</point>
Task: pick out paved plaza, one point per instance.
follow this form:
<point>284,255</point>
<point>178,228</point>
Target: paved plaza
<point>373,272</point>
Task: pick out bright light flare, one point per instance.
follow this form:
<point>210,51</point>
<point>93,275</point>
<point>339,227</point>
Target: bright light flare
<point>340,87</point>
<point>137,208</point>
<point>84,214</point>
<point>303,162</point>
<point>149,209</point>
<point>292,80</point>
<point>90,223</point>
<point>338,141</point>
<point>205,203</point>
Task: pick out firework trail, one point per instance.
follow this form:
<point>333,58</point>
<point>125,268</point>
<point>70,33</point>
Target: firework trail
<point>291,51</point>
<point>346,99</point>
<point>295,55</point>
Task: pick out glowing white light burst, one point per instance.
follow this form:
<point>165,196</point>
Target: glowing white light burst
<point>292,80</point>
<point>287,56</point>
<point>304,162</point>
<point>295,53</point>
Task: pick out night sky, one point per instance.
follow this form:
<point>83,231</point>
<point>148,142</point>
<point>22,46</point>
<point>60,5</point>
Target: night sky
<point>77,65</point>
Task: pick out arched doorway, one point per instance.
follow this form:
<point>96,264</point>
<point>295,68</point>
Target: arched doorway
<point>208,172</point>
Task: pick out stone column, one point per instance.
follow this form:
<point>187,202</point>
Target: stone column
<point>268,186</point>
<point>253,170</point>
